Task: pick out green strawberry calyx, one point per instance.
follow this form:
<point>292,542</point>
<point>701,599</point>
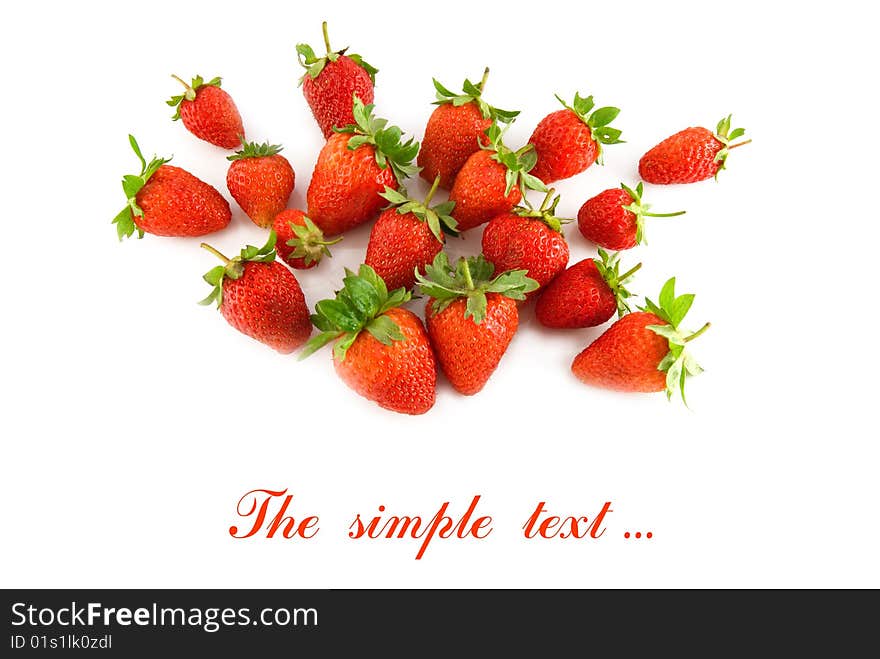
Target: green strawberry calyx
<point>546,212</point>
<point>471,278</point>
<point>314,64</point>
<point>190,91</point>
<point>678,364</point>
<point>726,135</point>
<point>598,121</point>
<point>254,150</point>
<point>641,210</point>
<point>518,163</point>
<point>438,217</point>
<point>234,268</point>
<point>308,242</point>
<point>131,185</point>
<point>472,93</point>
<point>608,266</point>
<point>361,304</point>
<point>385,139</point>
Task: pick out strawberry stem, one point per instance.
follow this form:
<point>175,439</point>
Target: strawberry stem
<point>524,149</point>
<point>326,37</point>
<point>698,332</point>
<point>432,190</point>
<point>733,146</point>
<point>216,253</point>
<point>190,93</point>
<point>483,81</point>
<point>469,282</point>
<point>629,273</point>
<point>664,214</point>
<point>544,204</point>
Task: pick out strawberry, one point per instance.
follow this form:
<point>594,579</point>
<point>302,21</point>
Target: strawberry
<point>261,181</point>
<point>354,166</point>
<point>643,351</point>
<point>380,350</point>
<point>330,81</point>
<point>586,294</point>
<point>260,297</point>
<point>169,201</point>
<point>407,235</point>
<point>493,180</point>
<point>528,239</point>
<point>301,244</point>
<point>455,129</point>
<point>691,155</point>
<point>614,218</point>
<point>208,112</point>
<point>568,141</point>
<point>471,317</point>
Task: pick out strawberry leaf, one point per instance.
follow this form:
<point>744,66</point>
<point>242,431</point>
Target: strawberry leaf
<point>359,305</point>
<point>475,307</point>
<point>131,186</point>
<point>667,296</point>
<point>190,92</point>
<point>389,149</point>
<point>517,163</point>
<point>385,330</point>
<point>546,213</point>
<point>319,340</point>
<point>254,150</point>
<point>442,92</point>
<point>472,93</point>
<point>234,268</point>
<point>678,364</point>
<point>598,121</point>
<point>680,306</point>
<point>471,278</point>
<point>366,66</point>
<point>725,135</point>
<point>339,315</point>
<point>308,242</point>
<point>603,117</point>
<point>608,266</point>
<point>314,65</point>
<point>363,296</point>
<point>581,106</point>
<point>125,225</point>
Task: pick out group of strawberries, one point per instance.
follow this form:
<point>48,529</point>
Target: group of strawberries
<point>382,350</point>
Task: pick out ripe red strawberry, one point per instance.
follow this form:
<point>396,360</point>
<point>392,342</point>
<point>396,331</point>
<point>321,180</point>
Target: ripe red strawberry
<point>354,167</point>
<point>455,129</point>
<point>471,317</point>
<point>260,297</point>
<point>691,155</point>
<point>261,181</point>
<point>528,239</point>
<point>568,141</point>
<point>407,235</point>
<point>614,218</point>
<point>169,201</point>
<point>643,351</point>
<point>586,294</point>
<point>493,180</point>
<point>380,350</point>
<point>330,81</point>
<point>301,244</point>
<point>208,112</point>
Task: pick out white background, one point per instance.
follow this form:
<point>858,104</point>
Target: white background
<point>133,419</point>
